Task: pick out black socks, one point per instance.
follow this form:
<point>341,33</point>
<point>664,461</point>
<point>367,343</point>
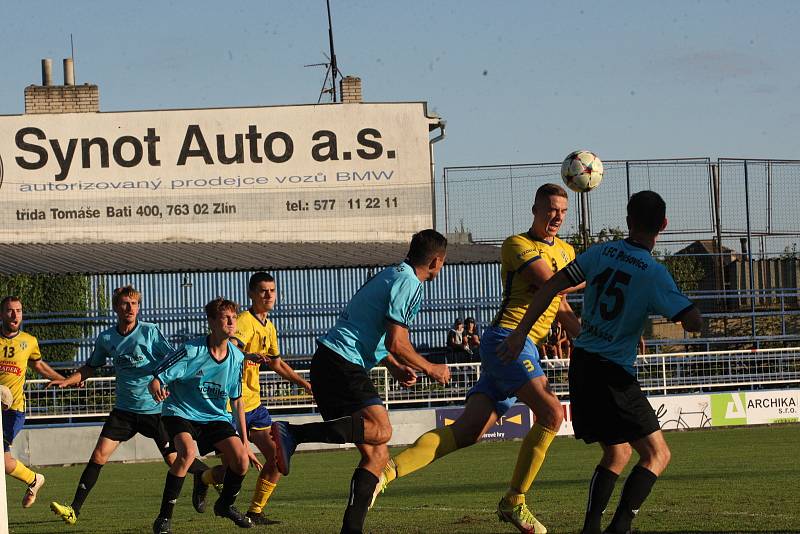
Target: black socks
<point>635,491</point>
<point>347,429</point>
<point>172,490</point>
<point>362,485</point>
<point>600,489</point>
<point>88,479</point>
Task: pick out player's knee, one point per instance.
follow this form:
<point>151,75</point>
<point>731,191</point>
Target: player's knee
<point>240,463</point>
<point>98,457</point>
<point>664,455</point>
<point>551,417</point>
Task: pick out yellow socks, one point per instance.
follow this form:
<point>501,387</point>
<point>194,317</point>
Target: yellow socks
<point>531,456</point>
<point>23,474</point>
<point>264,489</point>
<point>429,446</point>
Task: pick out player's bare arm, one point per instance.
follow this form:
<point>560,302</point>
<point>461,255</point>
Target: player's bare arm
<point>238,410</point>
<point>401,372</point>
<point>510,349</point>
<point>75,379</point>
<point>567,319</point>
<point>398,344</point>
<point>45,370</point>
<point>285,370</point>
<point>157,390</point>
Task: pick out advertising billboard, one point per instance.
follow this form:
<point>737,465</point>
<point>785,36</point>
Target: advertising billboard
<point>331,172</point>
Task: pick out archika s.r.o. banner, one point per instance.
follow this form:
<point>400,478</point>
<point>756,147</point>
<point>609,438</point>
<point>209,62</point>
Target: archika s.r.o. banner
<point>332,172</point>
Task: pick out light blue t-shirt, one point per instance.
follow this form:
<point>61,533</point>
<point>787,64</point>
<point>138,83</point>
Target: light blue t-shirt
<point>199,386</point>
<point>624,285</point>
<point>134,356</point>
<point>395,295</point>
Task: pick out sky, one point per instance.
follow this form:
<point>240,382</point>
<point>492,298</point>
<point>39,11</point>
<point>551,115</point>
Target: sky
<point>516,81</point>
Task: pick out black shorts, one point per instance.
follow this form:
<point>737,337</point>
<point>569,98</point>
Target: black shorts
<point>606,401</point>
<point>205,434</point>
<point>340,387</point>
<point>122,425</point>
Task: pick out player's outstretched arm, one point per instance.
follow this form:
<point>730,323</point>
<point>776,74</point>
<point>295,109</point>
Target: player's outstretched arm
<point>285,370</point>
<point>78,377</point>
<point>398,344</point>
<point>45,370</point>
<point>510,349</point>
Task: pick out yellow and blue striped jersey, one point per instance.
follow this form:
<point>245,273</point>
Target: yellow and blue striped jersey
<point>256,338</point>
<point>517,252</point>
<point>15,353</point>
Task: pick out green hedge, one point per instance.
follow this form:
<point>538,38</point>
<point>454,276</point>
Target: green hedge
<point>42,293</point>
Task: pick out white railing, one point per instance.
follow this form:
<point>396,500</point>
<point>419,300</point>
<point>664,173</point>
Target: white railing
<point>661,373</point>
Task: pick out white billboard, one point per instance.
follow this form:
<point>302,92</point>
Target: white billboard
<point>331,172</point>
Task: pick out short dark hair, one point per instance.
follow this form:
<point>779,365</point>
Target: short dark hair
<point>257,278</point>
<point>549,190</point>
<point>646,211</point>
<point>7,300</point>
<point>425,245</point>
<point>219,305</point>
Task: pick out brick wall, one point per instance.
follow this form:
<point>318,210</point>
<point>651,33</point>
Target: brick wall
<point>62,99</point>
<point>351,90</point>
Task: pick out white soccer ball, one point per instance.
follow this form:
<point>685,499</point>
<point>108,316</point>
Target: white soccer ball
<point>6,397</point>
<point>582,171</point>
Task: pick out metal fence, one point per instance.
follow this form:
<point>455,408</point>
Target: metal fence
<point>725,200</point>
<point>659,373</point>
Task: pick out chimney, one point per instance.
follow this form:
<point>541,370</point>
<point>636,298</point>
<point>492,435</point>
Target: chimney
<point>67,98</point>
<point>47,72</point>
<point>69,71</point>
<point>350,87</point>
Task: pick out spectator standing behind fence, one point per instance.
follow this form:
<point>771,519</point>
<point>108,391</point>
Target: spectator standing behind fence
<point>455,337</point>
<point>473,340</point>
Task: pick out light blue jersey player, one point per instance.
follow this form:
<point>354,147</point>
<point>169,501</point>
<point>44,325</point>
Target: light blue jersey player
<point>359,335</point>
<point>200,386</point>
<point>135,348</point>
<point>371,329</point>
<point>624,286</point>
<point>134,356</point>
<point>195,383</point>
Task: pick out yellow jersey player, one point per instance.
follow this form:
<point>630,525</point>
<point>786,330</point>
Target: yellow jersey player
<point>625,285</point>
<point>257,337</point>
<point>528,261</point>
<point>18,351</point>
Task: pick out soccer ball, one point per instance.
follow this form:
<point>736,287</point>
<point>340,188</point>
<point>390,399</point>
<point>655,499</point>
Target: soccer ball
<point>582,171</point>
<point>6,397</point>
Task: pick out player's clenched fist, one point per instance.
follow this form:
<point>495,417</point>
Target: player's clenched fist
<point>439,372</point>
<point>157,390</point>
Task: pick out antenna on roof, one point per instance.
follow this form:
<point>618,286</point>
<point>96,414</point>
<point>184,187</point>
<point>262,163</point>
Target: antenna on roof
<point>332,69</point>
<point>72,54</point>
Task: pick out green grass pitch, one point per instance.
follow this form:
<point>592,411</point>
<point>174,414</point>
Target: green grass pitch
<point>720,480</point>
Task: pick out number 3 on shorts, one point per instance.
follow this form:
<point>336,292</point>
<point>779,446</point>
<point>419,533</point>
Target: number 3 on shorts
<point>528,365</point>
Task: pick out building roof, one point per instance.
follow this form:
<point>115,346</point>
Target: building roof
<point>101,258</point>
